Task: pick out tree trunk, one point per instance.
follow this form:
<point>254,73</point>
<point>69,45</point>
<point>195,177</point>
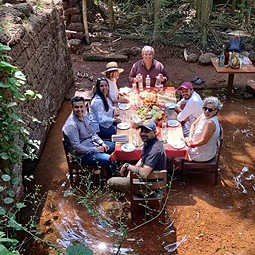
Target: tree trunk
<point>203,14</point>
<point>233,7</point>
<point>156,20</point>
<point>111,13</point>
<point>85,20</point>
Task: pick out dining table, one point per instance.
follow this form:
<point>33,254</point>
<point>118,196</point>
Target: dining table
<point>169,130</point>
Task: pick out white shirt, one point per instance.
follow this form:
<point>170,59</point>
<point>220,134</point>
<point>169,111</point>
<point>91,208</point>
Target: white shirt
<point>192,109</point>
<point>113,90</point>
<point>98,115</point>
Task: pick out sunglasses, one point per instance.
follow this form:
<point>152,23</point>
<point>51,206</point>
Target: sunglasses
<point>208,109</point>
<point>78,106</point>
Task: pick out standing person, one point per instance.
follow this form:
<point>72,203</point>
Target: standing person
<point>189,107</point>
<point>112,74</point>
<point>148,66</point>
<point>102,114</point>
<point>153,158</point>
<point>205,131</point>
<point>83,140</point>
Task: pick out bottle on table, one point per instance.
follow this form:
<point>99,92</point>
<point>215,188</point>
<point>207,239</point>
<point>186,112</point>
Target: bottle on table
<point>148,82</point>
<point>134,87</point>
<point>140,83</point>
<point>158,84</point>
<point>226,57</point>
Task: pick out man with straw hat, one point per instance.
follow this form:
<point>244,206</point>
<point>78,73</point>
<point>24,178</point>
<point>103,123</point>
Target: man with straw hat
<point>112,74</point>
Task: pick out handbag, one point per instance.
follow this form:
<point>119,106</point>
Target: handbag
<point>235,44</point>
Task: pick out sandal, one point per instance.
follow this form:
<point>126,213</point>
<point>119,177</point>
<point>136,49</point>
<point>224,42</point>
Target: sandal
<point>195,78</point>
<point>199,81</point>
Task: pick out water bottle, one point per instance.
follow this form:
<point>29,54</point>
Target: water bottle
<point>148,82</point>
<point>157,84</point>
<point>140,83</point>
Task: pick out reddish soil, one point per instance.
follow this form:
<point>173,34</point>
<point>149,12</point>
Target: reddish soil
<point>203,218</point>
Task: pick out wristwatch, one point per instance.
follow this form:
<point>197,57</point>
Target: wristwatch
<point>126,165</point>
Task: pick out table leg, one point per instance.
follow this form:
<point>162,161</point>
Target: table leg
<point>230,83</point>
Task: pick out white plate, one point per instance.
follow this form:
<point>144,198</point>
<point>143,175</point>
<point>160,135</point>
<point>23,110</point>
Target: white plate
<point>173,123</point>
<point>170,105</point>
<point>124,106</point>
<point>128,147</point>
<point>125,90</point>
<point>177,144</point>
<point>123,125</point>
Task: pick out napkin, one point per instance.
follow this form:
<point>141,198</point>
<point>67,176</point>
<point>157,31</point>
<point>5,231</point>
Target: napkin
<point>119,138</point>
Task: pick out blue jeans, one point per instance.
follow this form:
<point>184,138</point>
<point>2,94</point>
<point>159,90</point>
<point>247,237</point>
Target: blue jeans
<point>101,159</point>
<point>106,133</point>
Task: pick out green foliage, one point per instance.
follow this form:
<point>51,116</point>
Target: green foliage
<point>15,145</point>
<point>78,249</point>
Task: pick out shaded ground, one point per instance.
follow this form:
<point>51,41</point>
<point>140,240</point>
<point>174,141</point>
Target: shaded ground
<point>201,218</point>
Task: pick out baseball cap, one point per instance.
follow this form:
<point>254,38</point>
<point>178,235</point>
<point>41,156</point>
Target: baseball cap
<point>149,124</point>
<point>186,85</point>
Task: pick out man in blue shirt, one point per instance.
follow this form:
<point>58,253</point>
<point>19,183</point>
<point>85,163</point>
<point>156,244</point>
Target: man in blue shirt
<point>85,144</point>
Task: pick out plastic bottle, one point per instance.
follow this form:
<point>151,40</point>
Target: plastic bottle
<point>226,57</point>
<point>140,83</point>
<point>158,83</point>
<point>148,82</point>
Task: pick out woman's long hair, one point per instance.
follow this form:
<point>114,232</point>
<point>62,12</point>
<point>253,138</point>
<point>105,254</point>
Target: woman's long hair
<point>99,93</point>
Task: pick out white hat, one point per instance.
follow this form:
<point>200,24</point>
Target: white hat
<point>112,66</point>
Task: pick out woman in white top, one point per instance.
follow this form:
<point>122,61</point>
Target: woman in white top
<point>205,131</point>
<point>112,74</point>
<point>103,114</point>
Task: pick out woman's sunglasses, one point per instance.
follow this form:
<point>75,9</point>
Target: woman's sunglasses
<point>208,109</point>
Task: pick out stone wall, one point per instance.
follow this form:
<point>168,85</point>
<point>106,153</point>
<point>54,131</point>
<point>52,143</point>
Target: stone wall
<point>39,48</point>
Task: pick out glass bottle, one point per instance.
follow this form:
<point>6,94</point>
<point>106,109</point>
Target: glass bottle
<point>157,84</point>
<point>140,83</point>
<point>148,82</point>
<point>222,57</point>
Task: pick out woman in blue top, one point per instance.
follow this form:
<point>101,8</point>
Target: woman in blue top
<point>103,114</point>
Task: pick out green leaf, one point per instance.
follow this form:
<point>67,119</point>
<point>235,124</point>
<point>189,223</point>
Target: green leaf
<point>6,177</point>
<point>13,223</point>
<point>2,188</point>
<point>79,249</point>
<point>4,155</point>
<point>4,47</point>
<point>19,75</point>
<point>11,104</point>
<point>16,117</point>
<point>2,211</point>
<point>11,193</point>
<point>8,200</point>
<point>6,66</point>
<point>20,205</point>
<point>4,251</point>
<point>15,181</point>
<point>4,85</point>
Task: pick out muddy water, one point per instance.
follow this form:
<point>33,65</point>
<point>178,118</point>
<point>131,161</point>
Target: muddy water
<point>199,216</point>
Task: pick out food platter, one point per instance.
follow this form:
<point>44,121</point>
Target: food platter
<point>173,123</point>
<point>128,147</point>
<point>170,105</point>
<point>177,144</point>
<point>124,106</point>
<point>123,125</point>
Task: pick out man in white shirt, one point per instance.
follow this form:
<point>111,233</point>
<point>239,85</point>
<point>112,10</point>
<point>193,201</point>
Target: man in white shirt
<point>189,107</point>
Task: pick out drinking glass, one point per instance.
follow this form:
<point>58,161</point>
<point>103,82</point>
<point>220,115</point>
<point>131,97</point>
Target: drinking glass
<point>134,137</point>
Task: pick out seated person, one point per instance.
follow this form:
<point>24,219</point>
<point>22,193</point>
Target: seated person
<point>147,66</point>
<point>83,140</point>
<point>102,114</point>
<point>204,132</point>
<point>153,158</point>
<point>189,107</point>
<point>112,74</point>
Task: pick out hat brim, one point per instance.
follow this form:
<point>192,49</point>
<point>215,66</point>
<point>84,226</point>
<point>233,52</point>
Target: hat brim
<point>146,127</point>
<point>183,87</point>
<point>113,69</point>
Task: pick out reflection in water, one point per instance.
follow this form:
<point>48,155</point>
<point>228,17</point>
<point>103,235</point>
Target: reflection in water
<point>100,233</point>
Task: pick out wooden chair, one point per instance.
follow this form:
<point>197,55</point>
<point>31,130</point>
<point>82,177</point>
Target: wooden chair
<point>154,193</point>
<point>75,168</point>
<point>210,166</point>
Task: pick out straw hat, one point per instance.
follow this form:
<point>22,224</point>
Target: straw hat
<point>112,66</point>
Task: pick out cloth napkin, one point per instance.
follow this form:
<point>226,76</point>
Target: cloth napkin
<point>119,138</point>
